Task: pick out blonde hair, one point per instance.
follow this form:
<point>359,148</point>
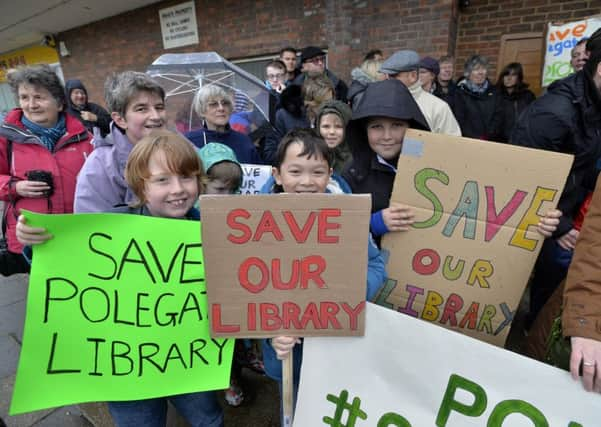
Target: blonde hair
<point>315,91</point>
<point>371,67</point>
<point>180,156</point>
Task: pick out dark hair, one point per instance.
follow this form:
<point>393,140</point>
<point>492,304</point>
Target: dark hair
<point>38,75</point>
<point>276,63</point>
<point>313,146</point>
<point>372,54</point>
<point>512,68</point>
<point>288,49</point>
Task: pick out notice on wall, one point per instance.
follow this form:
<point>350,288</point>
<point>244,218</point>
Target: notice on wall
<point>286,264</point>
<point>117,310</point>
<point>466,261</point>
<point>254,178</point>
<point>405,372</point>
<point>178,25</point>
<point>560,40</point>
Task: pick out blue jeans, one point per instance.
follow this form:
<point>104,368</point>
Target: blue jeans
<point>199,409</point>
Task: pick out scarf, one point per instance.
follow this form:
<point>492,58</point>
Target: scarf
<point>476,88</point>
<point>48,136</point>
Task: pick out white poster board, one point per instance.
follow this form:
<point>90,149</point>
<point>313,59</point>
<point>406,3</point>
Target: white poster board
<point>178,25</point>
<point>410,373</point>
<point>559,41</point>
<point>254,178</point>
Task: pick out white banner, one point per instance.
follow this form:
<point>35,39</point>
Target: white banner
<point>559,43</point>
<point>254,178</point>
<point>409,373</point>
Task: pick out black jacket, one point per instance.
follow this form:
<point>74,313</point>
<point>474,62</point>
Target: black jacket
<point>449,95</point>
<point>339,85</point>
<point>365,174</point>
<point>290,115</point>
<point>104,118</point>
<point>512,106</point>
<point>478,114</point>
<point>567,119</point>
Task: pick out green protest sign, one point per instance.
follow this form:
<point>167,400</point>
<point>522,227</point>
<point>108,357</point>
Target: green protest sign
<point>117,310</point>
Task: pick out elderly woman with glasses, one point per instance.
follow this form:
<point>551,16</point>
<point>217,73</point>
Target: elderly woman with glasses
<point>42,149</point>
<point>215,106</point>
<point>478,105</point>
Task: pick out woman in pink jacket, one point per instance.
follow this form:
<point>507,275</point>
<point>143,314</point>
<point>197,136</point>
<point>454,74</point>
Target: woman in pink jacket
<point>42,150</point>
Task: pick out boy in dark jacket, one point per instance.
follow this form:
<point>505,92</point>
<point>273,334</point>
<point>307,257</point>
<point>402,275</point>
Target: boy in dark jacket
<point>375,136</point>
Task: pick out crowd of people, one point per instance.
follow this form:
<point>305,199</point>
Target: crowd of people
<point>60,153</point>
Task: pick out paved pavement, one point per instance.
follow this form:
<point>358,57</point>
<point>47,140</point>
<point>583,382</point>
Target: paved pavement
<point>261,410</point>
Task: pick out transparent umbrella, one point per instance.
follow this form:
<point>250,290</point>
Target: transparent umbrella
<point>182,74</point>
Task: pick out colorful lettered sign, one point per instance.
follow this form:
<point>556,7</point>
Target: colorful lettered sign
<point>117,310</point>
<point>560,40</point>
<point>407,373</point>
<point>466,261</point>
<point>286,264</point>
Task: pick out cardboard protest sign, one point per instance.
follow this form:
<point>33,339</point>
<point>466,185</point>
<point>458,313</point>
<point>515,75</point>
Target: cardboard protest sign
<point>405,372</point>
<point>254,178</point>
<point>560,40</point>
<point>286,264</point>
<point>466,261</point>
<point>117,310</point>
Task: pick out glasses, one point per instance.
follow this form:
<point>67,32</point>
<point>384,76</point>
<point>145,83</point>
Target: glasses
<point>213,105</point>
<point>275,76</point>
<point>317,60</point>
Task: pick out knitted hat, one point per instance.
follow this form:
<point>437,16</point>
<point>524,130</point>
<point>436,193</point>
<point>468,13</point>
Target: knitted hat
<point>403,60</point>
<point>310,52</point>
<point>215,152</point>
<point>430,64</point>
<point>333,106</point>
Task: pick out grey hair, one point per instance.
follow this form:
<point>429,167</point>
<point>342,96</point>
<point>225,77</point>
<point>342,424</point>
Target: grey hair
<point>38,75</point>
<point>120,88</point>
<point>209,93</point>
<point>472,62</point>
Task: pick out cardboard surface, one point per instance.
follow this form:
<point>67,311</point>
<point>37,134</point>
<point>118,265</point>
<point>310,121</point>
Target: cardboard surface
<point>116,310</point>
<point>257,242</point>
<point>466,261</point>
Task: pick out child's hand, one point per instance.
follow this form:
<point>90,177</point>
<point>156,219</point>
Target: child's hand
<point>283,345</point>
<point>548,223</point>
<point>27,235</point>
<point>398,217</point>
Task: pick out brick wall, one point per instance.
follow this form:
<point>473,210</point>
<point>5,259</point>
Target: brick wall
<point>236,29</point>
<point>483,22</point>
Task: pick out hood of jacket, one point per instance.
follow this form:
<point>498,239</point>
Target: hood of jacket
<point>361,76</point>
<point>388,98</point>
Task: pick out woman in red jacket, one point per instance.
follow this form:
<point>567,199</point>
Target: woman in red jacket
<point>42,150</point>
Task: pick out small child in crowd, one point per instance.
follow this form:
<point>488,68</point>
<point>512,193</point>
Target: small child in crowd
<point>224,173</point>
<point>303,164</point>
<point>166,176</point>
<point>332,118</point>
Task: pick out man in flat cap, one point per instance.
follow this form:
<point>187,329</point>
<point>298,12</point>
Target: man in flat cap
<point>404,65</point>
<point>313,62</point>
